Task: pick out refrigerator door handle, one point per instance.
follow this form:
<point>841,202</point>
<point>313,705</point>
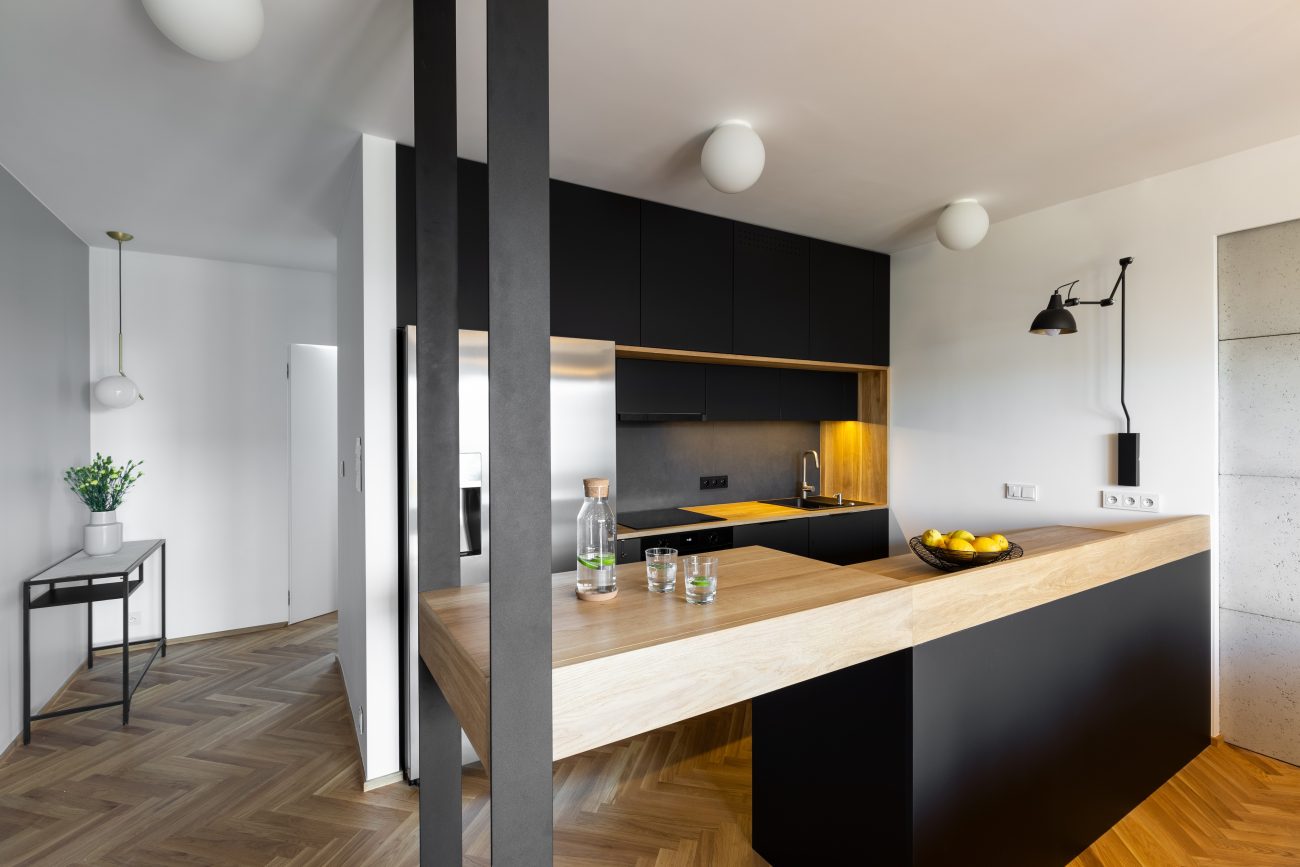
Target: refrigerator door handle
<point>471,504</point>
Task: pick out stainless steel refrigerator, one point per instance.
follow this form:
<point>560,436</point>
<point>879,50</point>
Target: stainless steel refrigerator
<point>582,445</point>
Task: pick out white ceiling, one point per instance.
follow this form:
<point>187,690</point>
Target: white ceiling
<point>875,113</point>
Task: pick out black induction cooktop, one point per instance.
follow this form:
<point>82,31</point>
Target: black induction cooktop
<point>652,519</point>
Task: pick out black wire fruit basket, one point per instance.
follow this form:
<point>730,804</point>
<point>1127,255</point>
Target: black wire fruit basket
<point>954,561</point>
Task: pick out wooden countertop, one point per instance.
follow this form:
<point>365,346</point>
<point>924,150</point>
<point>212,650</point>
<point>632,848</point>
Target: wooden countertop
<point>1058,562</point>
<point>645,660</point>
<point>750,512</point>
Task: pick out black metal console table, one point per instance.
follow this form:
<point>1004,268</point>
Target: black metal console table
<point>82,580</point>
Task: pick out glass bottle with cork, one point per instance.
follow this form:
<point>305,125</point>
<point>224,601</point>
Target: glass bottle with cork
<point>597,538</point>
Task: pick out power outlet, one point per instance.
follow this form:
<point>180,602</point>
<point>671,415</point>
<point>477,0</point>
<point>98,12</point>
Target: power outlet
<point>712,483</point>
<point>133,619</point>
<point>1129,500</point>
<point>1021,491</point>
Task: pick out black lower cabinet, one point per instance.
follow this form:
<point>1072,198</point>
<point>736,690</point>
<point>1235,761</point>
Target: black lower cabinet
<point>1066,717</point>
<point>832,768</point>
<point>628,551</point>
<point>788,536</point>
<point>851,538</point>
<point>1016,743</point>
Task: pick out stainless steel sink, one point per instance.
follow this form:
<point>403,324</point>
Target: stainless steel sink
<point>812,504</point>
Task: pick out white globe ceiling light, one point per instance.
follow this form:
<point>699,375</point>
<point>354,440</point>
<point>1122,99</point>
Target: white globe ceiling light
<point>117,390</point>
<point>733,157</point>
<point>962,225</point>
<point>217,30</point>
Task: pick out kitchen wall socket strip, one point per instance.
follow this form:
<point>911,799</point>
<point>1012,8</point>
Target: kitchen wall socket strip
<point>1017,491</point>
<point>1130,500</point>
<point>709,483</point>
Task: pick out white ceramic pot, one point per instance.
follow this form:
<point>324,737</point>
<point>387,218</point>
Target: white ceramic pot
<point>103,535</point>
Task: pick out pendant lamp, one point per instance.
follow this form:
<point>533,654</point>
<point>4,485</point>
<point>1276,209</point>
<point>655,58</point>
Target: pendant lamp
<point>117,391</point>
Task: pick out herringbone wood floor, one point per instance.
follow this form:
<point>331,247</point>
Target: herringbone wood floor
<point>240,752</point>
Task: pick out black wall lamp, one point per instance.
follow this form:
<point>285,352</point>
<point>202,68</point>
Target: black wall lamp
<point>1057,319</point>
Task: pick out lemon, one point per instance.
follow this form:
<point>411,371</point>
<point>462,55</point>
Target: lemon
<point>1003,544</point>
<point>965,535</point>
<point>958,544</point>
<point>985,545</point>
<point>933,538</point>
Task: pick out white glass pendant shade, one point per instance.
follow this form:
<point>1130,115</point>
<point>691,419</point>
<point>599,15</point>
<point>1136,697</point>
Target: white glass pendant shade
<point>116,391</point>
<point>733,157</point>
<point>962,225</point>
<point>216,30</point>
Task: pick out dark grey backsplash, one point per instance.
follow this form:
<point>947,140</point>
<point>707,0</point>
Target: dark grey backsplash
<point>660,463</point>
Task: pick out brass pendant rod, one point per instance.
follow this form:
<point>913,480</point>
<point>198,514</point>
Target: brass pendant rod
<point>120,371</point>
<point>121,238</point>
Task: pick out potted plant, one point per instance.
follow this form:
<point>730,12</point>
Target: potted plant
<point>102,486</point>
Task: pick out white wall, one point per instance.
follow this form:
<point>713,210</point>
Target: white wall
<point>368,579</point>
<point>207,343</point>
<point>978,401</point>
<point>44,429</point>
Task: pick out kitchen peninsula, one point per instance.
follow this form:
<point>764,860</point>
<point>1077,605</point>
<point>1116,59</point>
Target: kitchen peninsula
<point>910,716</point>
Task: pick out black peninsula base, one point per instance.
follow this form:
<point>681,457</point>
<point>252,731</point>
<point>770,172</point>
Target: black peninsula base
<point>1017,742</point>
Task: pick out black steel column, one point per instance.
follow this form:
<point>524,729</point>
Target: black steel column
<point>437,412</point>
<point>519,447</point>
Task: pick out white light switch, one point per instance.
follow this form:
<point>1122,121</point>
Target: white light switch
<point>1021,492</point>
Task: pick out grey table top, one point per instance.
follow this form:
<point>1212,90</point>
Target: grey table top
<point>82,565</point>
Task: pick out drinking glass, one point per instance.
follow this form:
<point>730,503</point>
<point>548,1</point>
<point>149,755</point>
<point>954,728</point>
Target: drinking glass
<point>661,569</point>
<point>701,578</point>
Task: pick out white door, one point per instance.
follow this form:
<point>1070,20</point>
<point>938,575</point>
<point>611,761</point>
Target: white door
<point>313,487</point>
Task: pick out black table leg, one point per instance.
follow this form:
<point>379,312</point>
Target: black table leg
<point>90,630</point>
<point>126,648</point>
<point>163,604</point>
<point>27,665</point>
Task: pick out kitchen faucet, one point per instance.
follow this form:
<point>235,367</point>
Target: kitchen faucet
<point>804,488</point>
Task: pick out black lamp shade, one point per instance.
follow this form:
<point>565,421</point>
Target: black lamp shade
<point>1055,319</point>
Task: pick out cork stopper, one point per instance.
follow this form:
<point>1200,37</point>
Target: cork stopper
<point>595,487</point>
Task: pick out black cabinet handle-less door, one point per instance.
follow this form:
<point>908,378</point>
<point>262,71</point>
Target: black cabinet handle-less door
<point>595,264</point>
<point>771,293</point>
<point>685,279</point>
<point>848,306</point>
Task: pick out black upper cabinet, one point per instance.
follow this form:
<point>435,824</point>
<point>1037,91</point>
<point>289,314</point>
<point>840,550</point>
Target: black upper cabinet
<point>880,293</point>
<point>471,243</point>
<point>771,293</point>
<point>659,390</point>
<point>743,393</point>
<point>595,264</point>
<point>645,274</point>
<point>685,279</point>
<point>848,306</point>
<point>810,395</point>
<point>852,538</point>
<point>788,536</point>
